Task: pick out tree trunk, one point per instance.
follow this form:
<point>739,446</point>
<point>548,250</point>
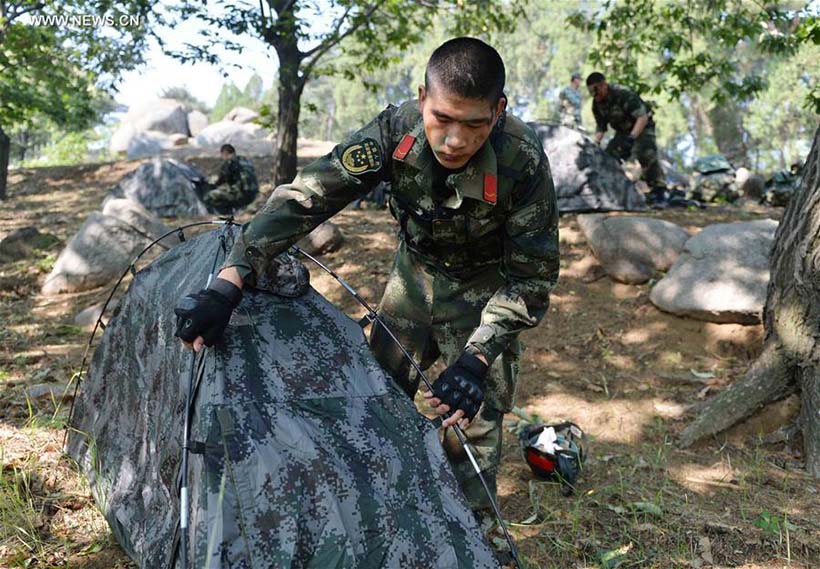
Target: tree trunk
<point>5,150</point>
<point>791,355</point>
<point>727,130</point>
<point>291,85</point>
<point>290,93</point>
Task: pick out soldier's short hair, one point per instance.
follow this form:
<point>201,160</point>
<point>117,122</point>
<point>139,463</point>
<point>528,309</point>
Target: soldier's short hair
<point>228,148</point>
<point>575,76</point>
<point>467,67</point>
<point>594,78</point>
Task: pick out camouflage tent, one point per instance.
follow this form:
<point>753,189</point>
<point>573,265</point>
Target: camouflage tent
<point>586,178</point>
<point>714,180</point>
<point>304,454</point>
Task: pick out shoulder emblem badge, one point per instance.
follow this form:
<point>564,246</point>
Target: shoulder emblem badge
<point>362,157</point>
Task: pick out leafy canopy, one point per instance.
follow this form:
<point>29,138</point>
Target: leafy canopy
<point>59,69</point>
<point>696,45</point>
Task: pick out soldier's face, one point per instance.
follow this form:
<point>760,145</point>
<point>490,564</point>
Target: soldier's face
<point>599,91</point>
<point>456,127</point>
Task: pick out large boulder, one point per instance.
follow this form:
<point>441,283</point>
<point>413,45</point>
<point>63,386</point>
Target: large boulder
<point>586,178</point>
<point>121,139</point>
<point>165,187</point>
<point>633,249</point>
<point>98,253</point>
<point>304,453</point>
<point>148,143</point>
<point>197,121</point>
<point>324,239</point>
<point>136,216</point>
<point>241,115</point>
<point>229,132</point>
<point>722,274</point>
<point>162,115</point>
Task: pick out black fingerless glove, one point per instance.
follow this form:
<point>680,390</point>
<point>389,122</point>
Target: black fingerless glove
<point>626,147</point>
<point>207,312</point>
<point>461,386</point>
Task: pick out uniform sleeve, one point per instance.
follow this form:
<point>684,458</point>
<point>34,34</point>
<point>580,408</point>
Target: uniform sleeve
<point>634,105</point>
<point>224,173</point>
<point>530,267</point>
<point>600,120</point>
<point>322,189</point>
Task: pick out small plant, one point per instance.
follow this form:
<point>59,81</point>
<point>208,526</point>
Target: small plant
<point>772,525</point>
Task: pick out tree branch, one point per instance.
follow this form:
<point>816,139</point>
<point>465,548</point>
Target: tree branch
<point>317,52</point>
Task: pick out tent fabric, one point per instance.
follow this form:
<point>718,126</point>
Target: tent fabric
<point>586,178</point>
<point>305,453</point>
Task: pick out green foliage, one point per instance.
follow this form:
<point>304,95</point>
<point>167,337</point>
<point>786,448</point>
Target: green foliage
<point>57,70</point>
<point>231,96</point>
<point>693,46</point>
<point>183,95</point>
<point>772,525</point>
<point>67,148</point>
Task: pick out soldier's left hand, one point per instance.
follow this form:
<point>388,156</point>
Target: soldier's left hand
<point>460,389</point>
<point>626,147</point>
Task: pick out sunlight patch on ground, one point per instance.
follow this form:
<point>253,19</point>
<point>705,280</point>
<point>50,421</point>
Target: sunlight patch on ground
<point>614,421</point>
<point>704,479</point>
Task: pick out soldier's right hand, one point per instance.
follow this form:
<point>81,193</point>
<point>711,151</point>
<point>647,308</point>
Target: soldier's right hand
<point>204,315</point>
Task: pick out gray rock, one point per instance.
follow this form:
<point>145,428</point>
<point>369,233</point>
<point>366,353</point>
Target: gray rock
<point>633,249</point>
<point>163,115</point>
<point>324,239</point>
<point>586,178</point>
<point>241,115</point>
<point>136,216</point>
<point>229,132</point>
<point>165,187</point>
<point>48,392</point>
<point>98,253</point>
<point>722,274</point>
<point>87,318</point>
<point>22,242</point>
<point>121,138</point>
<point>148,143</point>
<point>753,187</point>
<point>197,122</point>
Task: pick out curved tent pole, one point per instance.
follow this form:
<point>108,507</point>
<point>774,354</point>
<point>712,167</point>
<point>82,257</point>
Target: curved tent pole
<point>179,231</point>
<point>373,316</point>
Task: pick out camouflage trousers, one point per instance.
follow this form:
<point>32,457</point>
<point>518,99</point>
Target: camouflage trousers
<point>433,314</point>
<point>645,150</point>
<point>227,197</point>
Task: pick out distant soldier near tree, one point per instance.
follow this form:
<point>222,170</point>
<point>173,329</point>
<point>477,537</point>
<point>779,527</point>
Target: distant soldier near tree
<point>236,185</point>
<point>570,101</point>
<point>631,119</point>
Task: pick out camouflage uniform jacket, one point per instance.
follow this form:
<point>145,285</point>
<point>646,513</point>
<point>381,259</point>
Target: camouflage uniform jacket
<point>501,213</point>
<point>570,100</point>
<point>620,110</point>
<point>238,172</point>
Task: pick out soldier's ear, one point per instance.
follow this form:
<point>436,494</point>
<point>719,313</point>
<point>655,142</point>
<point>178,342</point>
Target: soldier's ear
<point>422,97</point>
<point>500,106</point>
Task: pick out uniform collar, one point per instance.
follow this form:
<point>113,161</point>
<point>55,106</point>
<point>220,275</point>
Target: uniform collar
<point>478,180</point>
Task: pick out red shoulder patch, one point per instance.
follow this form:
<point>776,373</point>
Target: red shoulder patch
<point>490,188</point>
<point>404,147</point>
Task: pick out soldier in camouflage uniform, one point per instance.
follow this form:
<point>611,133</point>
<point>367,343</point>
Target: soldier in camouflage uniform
<point>715,180</point>
<point>570,102</point>
<point>781,186</point>
<point>631,118</point>
<point>236,185</point>
<point>478,254</point>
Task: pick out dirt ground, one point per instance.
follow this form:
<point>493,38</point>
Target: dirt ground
<point>604,357</point>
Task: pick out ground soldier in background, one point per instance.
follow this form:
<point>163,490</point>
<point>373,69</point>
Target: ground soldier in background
<point>781,186</point>
<point>478,243</point>
<point>236,185</point>
<point>715,180</point>
<point>631,119</point>
<point>570,101</point>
